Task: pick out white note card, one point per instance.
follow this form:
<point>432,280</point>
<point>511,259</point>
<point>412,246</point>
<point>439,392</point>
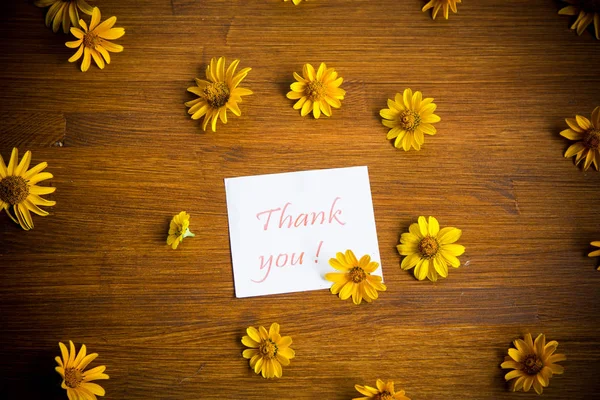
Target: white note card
<point>284,228</point>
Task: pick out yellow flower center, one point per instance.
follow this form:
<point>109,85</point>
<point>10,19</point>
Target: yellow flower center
<point>73,377</point>
<point>315,90</point>
<point>532,364</point>
<point>216,94</point>
<point>91,40</point>
<point>428,247</point>
<point>384,396</point>
<point>409,120</point>
<point>268,349</point>
<point>357,275</point>
<point>13,189</point>
<point>591,6</point>
<point>592,139</point>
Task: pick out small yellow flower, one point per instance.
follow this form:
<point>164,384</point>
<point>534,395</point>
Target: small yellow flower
<point>219,93</point>
<point>355,279</point>
<point>445,5</point>
<point>532,363</point>
<point>268,351</point>
<point>18,189</point>
<point>296,2</point>
<point>587,134</point>
<point>384,391</point>
<point>179,229</point>
<point>595,253</point>
<point>586,11</point>
<point>94,42</point>
<point>317,91</point>
<point>410,117</point>
<point>63,12</point>
<point>430,249</point>
<point>76,381</point>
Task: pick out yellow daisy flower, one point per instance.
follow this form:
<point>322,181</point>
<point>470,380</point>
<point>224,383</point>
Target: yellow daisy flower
<point>94,42</point>
<point>586,11</point>
<point>317,91</point>
<point>218,94</point>
<point>587,134</point>
<point>532,363</point>
<point>595,253</point>
<point>430,249</point>
<point>445,5</point>
<point>296,2</point>
<point>179,229</point>
<point>409,118</point>
<point>268,351</point>
<point>18,188</point>
<point>384,391</point>
<point>63,12</point>
<point>76,381</point>
<point>355,279</point>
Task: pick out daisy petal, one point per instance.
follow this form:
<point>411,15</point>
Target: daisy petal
<point>23,165</point>
<point>74,44</point>
<point>440,267</point>
<point>87,58</point>
<point>422,269</point>
<point>571,134</point>
<point>94,388</point>
<point>423,226</point>
<point>96,16</point>
<point>12,164</point>
<point>574,149</point>
<point>77,55</point>
<point>434,226</point>
<point>583,122</point>
<point>449,235</point>
<point>596,113</point>
<point>112,47</point>
<point>106,25</point>
<point>112,34</point>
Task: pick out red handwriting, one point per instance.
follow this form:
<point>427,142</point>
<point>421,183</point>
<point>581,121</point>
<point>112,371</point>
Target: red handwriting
<point>288,220</point>
<point>281,261</point>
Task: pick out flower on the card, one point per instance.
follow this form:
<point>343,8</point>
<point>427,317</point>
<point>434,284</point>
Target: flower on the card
<point>267,351</point>
<point>587,11</point>
<point>409,118</point>
<point>383,391</point>
<point>317,91</point>
<point>179,229</point>
<point>63,12</point>
<point>429,249</point>
<point>219,93</point>
<point>587,135</point>
<point>19,190</point>
<point>532,363</point>
<point>444,5</point>
<point>595,253</point>
<point>355,278</point>
<point>77,381</point>
<point>296,2</point>
<point>93,42</point>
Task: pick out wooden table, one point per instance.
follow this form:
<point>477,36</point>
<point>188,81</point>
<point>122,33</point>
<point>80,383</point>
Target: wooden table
<point>126,157</point>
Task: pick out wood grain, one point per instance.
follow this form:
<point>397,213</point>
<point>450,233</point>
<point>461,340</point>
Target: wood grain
<point>126,157</point>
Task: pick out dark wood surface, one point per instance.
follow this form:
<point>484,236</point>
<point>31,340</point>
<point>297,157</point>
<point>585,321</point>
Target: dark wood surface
<point>126,158</point>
